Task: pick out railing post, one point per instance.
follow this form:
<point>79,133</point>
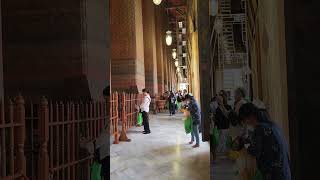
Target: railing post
<point>123,135</point>
<point>43,125</point>
<point>116,129</point>
<point>20,135</point>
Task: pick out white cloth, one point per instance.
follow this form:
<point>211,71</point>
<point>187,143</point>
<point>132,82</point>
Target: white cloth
<point>102,143</point>
<point>146,103</point>
<point>214,106</point>
<point>222,146</point>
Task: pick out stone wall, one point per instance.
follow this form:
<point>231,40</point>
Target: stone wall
<point>127,45</point>
<point>55,49</point>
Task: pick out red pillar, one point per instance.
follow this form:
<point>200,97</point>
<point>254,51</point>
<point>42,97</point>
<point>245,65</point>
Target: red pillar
<point>150,49</point>
<point>127,50</point>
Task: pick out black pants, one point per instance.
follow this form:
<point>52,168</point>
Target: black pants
<point>172,108</point>
<point>105,168</point>
<point>145,118</point>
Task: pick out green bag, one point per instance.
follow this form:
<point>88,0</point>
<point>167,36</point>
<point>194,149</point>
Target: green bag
<point>188,124</point>
<point>179,105</point>
<point>258,175</point>
<point>96,171</point>
<point>139,119</point>
<point>229,142</point>
<point>215,134</point>
<point>167,105</point>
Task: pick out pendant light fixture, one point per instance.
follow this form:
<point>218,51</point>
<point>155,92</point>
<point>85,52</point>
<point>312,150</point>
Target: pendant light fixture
<point>169,38</point>
<point>176,63</point>
<point>157,2</point>
<point>174,53</point>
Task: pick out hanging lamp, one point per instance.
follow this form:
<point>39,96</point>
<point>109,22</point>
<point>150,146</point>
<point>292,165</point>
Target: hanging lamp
<point>169,38</point>
<point>157,2</point>
<point>174,53</point>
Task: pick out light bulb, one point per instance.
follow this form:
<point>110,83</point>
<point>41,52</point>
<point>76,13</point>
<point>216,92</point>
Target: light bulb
<point>169,38</point>
<point>176,63</point>
<point>174,53</point>
<point>157,2</point>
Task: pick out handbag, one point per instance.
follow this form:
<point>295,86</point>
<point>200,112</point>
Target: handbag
<point>96,171</point>
<point>139,120</point>
<point>215,134</point>
<point>188,125</point>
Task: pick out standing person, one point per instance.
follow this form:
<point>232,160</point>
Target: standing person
<point>222,122</point>
<point>172,103</point>
<point>237,129</point>
<point>267,144</point>
<point>212,114</point>
<point>195,113</point>
<point>239,95</point>
<point>144,108</point>
<point>179,99</point>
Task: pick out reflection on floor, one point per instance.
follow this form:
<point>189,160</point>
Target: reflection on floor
<point>163,154</point>
<point>224,169</point>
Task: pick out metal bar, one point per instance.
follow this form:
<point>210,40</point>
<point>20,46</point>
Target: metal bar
<point>62,138</point>
<point>57,139</point>
<point>11,129</point>
<point>73,144</point>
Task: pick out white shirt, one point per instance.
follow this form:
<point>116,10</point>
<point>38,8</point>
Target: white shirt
<point>146,103</point>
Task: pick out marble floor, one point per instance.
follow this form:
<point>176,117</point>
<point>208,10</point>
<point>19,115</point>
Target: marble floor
<point>162,155</point>
<point>224,169</point>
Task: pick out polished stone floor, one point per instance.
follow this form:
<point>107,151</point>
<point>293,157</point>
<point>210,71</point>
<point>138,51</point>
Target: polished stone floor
<point>224,169</point>
<point>163,154</point>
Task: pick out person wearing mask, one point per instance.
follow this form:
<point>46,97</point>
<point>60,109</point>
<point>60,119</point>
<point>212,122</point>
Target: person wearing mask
<point>239,95</point>
<point>185,92</point>
<point>222,122</point>
<point>268,144</point>
<point>144,109</point>
<point>237,129</point>
<point>195,113</point>
<point>172,104</point>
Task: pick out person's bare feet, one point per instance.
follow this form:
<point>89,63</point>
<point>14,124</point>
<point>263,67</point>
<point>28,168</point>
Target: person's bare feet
<point>196,145</point>
<point>191,142</point>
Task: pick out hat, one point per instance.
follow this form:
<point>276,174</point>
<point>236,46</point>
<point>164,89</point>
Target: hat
<point>188,96</point>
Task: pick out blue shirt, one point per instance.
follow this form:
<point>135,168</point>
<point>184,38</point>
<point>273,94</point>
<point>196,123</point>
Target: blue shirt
<point>195,112</point>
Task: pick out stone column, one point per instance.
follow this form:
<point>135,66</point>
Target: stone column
<point>165,67</point>
<point>127,49</point>
<point>150,51</point>
<point>159,44</point>
<point>204,54</point>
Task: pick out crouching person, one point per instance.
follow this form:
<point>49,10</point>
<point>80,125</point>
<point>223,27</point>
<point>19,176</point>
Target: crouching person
<point>100,148</point>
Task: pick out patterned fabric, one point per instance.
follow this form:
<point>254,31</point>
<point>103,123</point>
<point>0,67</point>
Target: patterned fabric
<point>195,112</point>
<point>271,152</point>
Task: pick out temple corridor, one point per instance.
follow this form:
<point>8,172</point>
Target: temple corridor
<point>163,154</point>
<point>74,72</point>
